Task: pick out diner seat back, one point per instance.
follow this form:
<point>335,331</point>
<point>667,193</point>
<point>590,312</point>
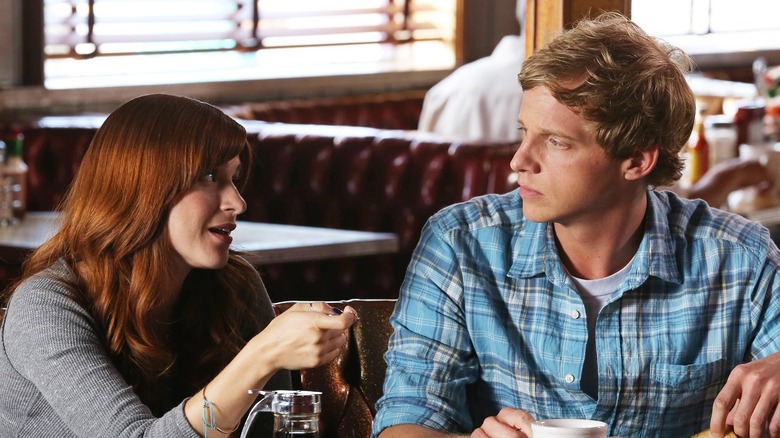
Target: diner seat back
<point>361,179</point>
<point>352,383</point>
<point>346,177</point>
<point>390,110</point>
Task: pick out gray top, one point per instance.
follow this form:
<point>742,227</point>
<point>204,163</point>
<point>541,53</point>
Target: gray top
<point>57,378</point>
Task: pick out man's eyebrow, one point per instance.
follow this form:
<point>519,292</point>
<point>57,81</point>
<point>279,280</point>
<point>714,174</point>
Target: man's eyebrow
<point>550,132</point>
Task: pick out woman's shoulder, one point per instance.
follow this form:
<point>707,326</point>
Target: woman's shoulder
<point>45,295</point>
<point>54,280</point>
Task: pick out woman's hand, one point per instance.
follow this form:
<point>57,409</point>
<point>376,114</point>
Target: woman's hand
<point>307,335</point>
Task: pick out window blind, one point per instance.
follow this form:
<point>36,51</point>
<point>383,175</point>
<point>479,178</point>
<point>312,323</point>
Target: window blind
<point>87,28</point>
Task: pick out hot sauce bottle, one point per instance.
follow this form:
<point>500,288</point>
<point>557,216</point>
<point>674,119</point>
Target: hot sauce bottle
<point>698,152</point>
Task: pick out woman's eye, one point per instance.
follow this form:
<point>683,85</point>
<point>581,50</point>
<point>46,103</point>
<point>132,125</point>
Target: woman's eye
<point>210,177</point>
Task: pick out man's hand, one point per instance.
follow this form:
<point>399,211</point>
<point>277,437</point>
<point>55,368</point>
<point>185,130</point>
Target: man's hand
<point>727,176</point>
<point>509,423</point>
<point>750,400</point>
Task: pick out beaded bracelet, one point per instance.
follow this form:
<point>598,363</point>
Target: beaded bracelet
<point>209,417</point>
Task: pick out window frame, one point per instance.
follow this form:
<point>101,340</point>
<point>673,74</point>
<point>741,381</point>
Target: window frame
<point>21,73</point>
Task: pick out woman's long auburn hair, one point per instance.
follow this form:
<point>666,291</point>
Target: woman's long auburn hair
<point>147,154</point>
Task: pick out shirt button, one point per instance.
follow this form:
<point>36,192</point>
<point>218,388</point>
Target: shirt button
<point>574,314</point>
<point>569,378</point>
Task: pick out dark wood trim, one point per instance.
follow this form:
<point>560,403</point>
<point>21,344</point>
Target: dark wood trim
<point>32,42</point>
<point>480,26</point>
<point>546,18</point>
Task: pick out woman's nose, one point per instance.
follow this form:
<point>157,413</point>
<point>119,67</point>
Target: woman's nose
<point>234,200</point>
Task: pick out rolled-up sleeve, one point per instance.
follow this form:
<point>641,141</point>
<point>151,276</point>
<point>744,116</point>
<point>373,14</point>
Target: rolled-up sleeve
<point>430,357</point>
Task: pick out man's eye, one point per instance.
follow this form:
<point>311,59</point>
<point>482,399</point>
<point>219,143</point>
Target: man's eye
<point>555,143</point>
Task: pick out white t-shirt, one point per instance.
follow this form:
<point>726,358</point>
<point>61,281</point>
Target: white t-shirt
<point>595,294</point>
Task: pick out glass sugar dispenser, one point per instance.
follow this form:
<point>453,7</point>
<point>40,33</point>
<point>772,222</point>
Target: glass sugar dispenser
<point>296,413</point>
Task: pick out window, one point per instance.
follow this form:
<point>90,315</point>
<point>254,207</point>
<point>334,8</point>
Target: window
<point>702,17</point>
<point>136,42</point>
<point>715,32</point>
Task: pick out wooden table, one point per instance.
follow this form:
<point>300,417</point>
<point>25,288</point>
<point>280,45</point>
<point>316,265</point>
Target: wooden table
<point>262,243</point>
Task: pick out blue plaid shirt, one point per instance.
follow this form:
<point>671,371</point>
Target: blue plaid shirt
<point>488,318</point>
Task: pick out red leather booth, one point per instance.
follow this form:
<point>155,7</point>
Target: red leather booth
<point>330,176</point>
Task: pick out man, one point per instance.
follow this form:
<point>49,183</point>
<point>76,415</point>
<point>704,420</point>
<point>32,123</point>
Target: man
<point>586,293</point>
<point>480,100</point>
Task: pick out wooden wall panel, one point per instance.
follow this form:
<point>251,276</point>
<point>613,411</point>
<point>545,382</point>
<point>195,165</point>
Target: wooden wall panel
<point>480,26</point>
<point>547,18</point>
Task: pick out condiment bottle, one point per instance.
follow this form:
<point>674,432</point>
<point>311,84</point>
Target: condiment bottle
<point>6,196</point>
<point>772,122</point>
<point>15,170</point>
<point>698,152</point>
<point>721,134</point>
<point>749,121</point>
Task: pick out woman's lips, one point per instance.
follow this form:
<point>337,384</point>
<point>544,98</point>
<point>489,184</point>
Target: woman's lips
<point>221,236</point>
<point>222,232</point>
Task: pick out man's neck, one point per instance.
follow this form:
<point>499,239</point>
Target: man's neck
<point>600,247</point>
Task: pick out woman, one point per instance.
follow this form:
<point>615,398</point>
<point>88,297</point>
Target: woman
<point>136,319</point>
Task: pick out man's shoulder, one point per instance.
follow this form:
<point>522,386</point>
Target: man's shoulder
<point>491,210</point>
<point>693,219</point>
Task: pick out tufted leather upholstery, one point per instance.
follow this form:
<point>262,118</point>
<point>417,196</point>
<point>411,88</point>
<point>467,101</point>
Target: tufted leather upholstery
<point>363,179</point>
<point>332,176</point>
<point>352,383</point>
<point>53,156</point>
<point>391,110</point>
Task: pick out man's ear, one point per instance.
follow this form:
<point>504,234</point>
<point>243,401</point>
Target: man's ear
<point>640,164</point>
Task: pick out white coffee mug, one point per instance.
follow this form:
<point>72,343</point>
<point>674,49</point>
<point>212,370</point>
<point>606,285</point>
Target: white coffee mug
<point>569,428</point>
